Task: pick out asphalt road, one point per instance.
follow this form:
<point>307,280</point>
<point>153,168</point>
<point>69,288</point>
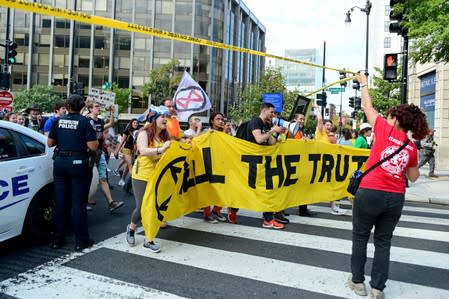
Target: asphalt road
<point>309,259</point>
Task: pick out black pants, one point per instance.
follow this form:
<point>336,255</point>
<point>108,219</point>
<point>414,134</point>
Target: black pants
<point>72,178</point>
<point>381,210</point>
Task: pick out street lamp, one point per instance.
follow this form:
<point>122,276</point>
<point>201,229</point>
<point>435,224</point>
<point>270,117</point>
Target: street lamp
<point>367,10</point>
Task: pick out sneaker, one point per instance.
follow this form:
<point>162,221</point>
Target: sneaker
<point>338,211</point>
<point>130,236</point>
<point>210,220</point>
<point>163,225</point>
<point>152,246</point>
<point>219,216</point>
<point>89,208</point>
<point>433,175</point>
<point>232,216</point>
<point>280,218</point>
<point>272,224</point>
<point>114,205</point>
<point>377,294</point>
<point>121,183</point>
<point>358,288</point>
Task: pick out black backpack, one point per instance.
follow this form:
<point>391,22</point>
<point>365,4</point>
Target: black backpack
<point>243,131</point>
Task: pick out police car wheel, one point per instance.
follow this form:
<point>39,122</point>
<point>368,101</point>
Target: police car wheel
<point>39,219</point>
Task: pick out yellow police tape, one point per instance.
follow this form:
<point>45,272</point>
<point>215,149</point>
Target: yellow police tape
<point>84,17</point>
<point>245,175</point>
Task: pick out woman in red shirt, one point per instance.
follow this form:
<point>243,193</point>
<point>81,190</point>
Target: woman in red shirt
<point>380,198</point>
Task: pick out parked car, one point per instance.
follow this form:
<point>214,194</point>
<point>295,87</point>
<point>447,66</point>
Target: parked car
<point>26,183</point>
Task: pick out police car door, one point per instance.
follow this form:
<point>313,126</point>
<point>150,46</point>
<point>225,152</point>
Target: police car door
<point>24,169</point>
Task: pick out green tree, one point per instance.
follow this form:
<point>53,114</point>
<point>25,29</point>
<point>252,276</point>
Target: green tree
<point>42,95</point>
<point>271,81</point>
<point>384,94</point>
<point>428,27</point>
<point>121,97</point>
<point>163,81</point>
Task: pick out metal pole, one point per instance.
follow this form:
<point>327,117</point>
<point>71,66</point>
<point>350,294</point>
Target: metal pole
<point>341,111</point>
<point>367,36</point>
<point>404,81</point>
<point>324,78</point>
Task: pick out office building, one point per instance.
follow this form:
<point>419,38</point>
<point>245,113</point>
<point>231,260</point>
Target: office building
<point>55,51</point>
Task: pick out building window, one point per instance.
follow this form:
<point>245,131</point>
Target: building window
<point>387,42</point>
<point>84,42</point>
<point>387,10</point>
<point>387,26</point>
<point>83,61</point>
<point>99,42</point>
<point>46,23</point>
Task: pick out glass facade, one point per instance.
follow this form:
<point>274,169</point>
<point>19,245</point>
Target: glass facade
<point>54,51</point>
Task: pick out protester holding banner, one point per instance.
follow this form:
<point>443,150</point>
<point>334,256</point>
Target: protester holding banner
<point>211,215</point>
<point>324,133</point>
<point>380,197</point>
<point>261,131</point>
<point>301,119</point>
<point>152,141</point>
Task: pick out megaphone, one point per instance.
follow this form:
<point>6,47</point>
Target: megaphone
<point>292,127</point>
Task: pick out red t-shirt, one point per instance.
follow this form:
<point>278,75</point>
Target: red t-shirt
<point>390,175</point>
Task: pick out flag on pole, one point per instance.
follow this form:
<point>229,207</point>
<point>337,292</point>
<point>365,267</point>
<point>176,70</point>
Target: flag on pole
<point>190,98</point>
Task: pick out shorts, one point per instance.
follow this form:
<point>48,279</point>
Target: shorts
<point>127,151</point>
<point>102,168</point>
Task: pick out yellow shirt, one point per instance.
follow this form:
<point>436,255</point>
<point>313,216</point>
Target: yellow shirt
<point>144,165</point>
<point>321,136</point>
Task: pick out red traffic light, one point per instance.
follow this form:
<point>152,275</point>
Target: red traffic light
<point>391,60</point>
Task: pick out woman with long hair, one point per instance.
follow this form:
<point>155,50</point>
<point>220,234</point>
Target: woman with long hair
<point>380,197</point>
<point>127,147</point>
<point>152,141</point>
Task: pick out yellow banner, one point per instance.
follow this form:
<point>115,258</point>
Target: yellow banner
<point>222,170</point>
<point>112,23</point>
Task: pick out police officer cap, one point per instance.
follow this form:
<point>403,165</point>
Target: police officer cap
<point>76,102</point>
<point>156,111</point>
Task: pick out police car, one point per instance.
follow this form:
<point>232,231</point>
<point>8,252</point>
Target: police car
<point>26,183</point>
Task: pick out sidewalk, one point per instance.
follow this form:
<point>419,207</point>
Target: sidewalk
<point>430,190</point>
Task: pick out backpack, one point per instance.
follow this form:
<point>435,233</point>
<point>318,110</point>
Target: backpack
<point>243,131</point>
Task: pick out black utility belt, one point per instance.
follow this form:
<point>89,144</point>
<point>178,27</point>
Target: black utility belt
<point>62,153</point>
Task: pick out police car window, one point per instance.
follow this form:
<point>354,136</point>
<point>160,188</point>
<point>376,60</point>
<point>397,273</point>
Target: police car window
<point>33,146</point>
<point>7,148</point>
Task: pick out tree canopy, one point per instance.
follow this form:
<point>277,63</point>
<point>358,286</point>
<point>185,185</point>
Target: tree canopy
<point>42,95</point>
<point>428,29</point>
<point>163,81</point>
<point>271,81</point>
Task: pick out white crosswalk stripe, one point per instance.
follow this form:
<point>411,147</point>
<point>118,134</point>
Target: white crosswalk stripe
<point>59,279</point>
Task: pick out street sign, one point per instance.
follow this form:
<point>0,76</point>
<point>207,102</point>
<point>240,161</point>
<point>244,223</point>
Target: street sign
<point>335,90</point>
<point>6,99</point>
<point>275,99</point>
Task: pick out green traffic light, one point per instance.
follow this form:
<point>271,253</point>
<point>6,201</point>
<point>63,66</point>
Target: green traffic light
<point>12,60</point>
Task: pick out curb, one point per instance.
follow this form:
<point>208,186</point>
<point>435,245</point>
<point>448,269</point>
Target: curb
<point>439,200</point>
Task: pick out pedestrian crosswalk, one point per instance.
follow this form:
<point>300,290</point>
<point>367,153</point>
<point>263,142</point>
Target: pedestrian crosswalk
<point>309,259</point>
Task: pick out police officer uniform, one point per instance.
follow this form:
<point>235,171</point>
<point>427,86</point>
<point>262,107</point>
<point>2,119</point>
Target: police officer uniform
<point>72,173</point>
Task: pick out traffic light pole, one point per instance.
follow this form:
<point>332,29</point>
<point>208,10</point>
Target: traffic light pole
<point>404,81</point>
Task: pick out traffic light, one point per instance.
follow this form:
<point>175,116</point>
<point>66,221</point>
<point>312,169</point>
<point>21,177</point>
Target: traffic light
<point>342,77</point>
<point>396,17</point>
<point>11,52</point>
<point>351,102</point>
<point>5,80</point>
<point>73,87</point>
<point>357,103</point>
<point>355,84</point>
<point>321,99</point>
<point>390,67</point>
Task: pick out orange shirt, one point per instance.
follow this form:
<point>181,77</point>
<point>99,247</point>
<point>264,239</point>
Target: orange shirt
<point>173,128</point>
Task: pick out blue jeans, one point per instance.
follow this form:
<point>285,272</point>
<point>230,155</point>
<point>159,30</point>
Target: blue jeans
<point>382,210</point>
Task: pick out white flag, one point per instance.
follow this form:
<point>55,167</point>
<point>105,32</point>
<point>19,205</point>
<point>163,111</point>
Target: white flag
<point>190,98</point>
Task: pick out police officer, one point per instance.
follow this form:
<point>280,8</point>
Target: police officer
<point>74,139</point>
